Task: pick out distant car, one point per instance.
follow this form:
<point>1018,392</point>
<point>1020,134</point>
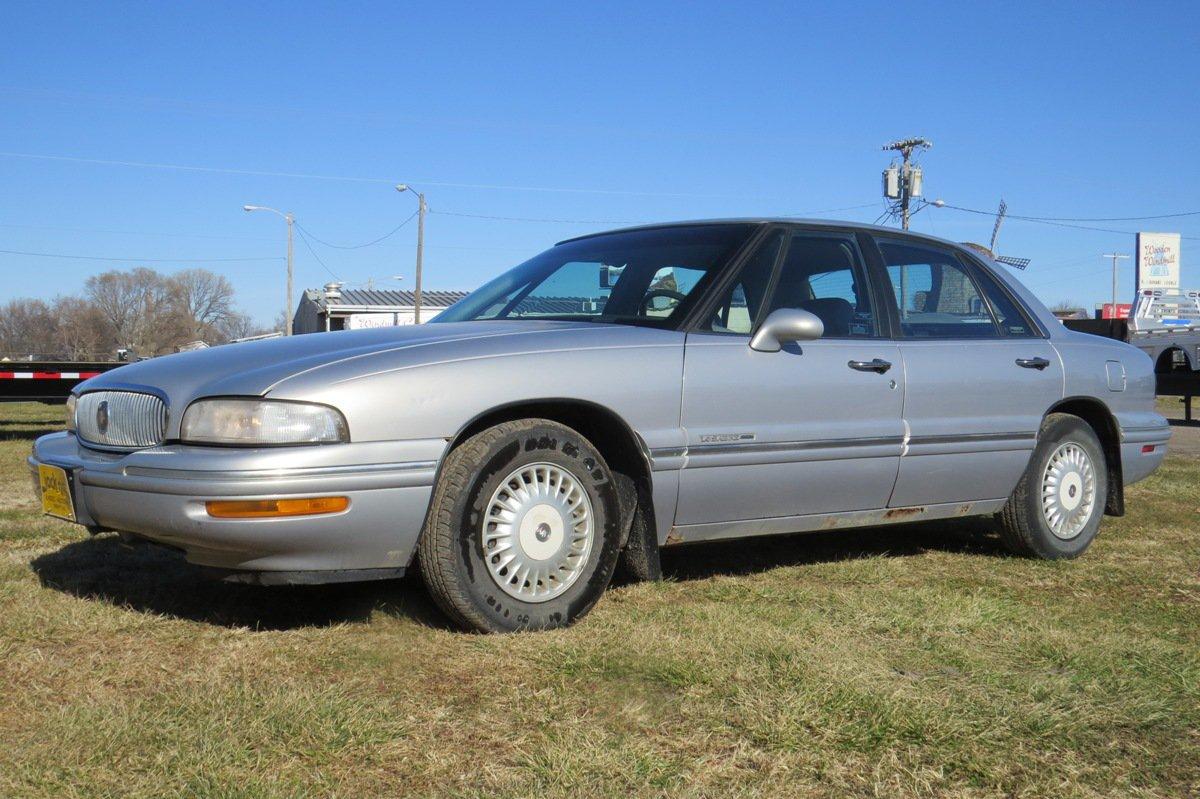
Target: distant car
<point>619,393</point>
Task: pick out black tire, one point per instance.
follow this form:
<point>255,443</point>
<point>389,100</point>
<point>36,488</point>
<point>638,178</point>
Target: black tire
<point>1023,523</point>
<point>451,549</point>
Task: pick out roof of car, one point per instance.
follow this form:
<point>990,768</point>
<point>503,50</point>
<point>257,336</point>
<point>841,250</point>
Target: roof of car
<point>761,220</point>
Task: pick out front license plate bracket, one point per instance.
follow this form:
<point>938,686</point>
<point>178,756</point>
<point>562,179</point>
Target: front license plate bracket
<point>55,485</point>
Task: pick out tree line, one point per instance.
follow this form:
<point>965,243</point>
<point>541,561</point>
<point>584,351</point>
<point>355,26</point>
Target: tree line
<point>140,310</point>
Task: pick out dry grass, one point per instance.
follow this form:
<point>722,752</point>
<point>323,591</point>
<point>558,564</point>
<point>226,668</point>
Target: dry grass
<point>910,661</point>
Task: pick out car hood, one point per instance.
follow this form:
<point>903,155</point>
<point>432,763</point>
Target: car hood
<point>259,367</point>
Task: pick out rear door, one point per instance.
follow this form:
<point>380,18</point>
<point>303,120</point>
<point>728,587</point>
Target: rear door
<point>979,376</point>
<point>814,428</point>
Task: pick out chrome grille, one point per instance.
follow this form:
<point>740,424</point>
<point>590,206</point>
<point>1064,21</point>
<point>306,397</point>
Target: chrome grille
<point>121,419</point>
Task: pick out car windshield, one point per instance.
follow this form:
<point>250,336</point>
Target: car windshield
<point>645,277</point>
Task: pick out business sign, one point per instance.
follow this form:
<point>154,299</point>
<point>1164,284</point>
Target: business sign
<point>363,321</point>
<point>1157,261</point>
<point>1119,311</point>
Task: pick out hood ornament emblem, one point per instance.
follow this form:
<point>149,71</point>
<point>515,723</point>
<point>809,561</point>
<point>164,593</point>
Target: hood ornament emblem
<point>102,417</point>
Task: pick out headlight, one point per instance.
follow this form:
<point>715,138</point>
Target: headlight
<point>254,422</point>
<point>71,400</point>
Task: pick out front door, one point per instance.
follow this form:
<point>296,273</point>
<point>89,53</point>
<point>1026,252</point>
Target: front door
<point>815,428</point>
<point>979,377</point>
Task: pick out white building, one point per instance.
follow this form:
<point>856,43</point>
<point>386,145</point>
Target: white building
<point>337,308</point>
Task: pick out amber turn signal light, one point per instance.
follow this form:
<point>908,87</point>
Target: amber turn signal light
<point>269,508</point>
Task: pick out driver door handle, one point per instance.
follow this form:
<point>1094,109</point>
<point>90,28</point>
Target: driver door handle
<point>874,365</point>
<point>1033,363</point>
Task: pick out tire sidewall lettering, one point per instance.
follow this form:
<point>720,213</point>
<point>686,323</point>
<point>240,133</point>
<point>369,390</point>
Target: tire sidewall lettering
<point>573,453</point>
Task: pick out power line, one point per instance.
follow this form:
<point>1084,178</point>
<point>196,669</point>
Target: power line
<point>1055,223</point>
<point>832,210</point>
<point>348,178</point>
<point>390,233</point>
<point>535,219</point>
<point>142,260</point>
<point>1075,275</point>
<point>324,266</point>
<point>1099,218</point>
<point>620,221</point>
<point>133,232</point>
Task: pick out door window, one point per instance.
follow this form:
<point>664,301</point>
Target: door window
<point>742,302</point>
<point>823,274</point>
<point>1014,323</point>
<point>936,295</point>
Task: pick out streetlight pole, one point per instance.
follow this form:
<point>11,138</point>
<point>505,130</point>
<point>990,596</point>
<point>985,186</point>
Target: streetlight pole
<point>421,209</point>
<point>1115,257</point>
<point>287,298</point>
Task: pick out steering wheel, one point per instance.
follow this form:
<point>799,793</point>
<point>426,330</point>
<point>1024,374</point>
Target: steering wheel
<point>654,294</point>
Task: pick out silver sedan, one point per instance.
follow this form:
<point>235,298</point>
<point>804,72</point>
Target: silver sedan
<point>619,393</point>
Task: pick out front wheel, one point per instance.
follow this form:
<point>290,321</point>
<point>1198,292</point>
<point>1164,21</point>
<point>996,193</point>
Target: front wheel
<point>1056,508</point>
<point>522,531</point>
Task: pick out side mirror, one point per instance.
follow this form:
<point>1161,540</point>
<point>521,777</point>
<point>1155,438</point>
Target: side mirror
<point>785,325</point>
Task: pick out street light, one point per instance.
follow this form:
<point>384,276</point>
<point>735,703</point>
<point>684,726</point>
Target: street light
<point>287,299</point>
<point>421,209</point>
<point>938,203</point>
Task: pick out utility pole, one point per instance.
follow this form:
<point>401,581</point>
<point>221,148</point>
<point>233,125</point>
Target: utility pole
<point>287,299</point>
<point>422,208</point>
<point>1115,257</point>
<point>291,222</point>
<point>904,183</point>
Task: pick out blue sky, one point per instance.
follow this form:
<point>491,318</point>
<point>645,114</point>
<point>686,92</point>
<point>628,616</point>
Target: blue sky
<point>604,113</point>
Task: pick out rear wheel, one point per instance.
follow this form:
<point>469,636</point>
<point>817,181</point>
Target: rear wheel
<point>1056,508</point>
<point>523,528</point>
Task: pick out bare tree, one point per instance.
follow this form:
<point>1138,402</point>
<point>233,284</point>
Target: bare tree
<point>83,332</point>
<point>139,308</point>
<point>136,306</point>
<point>235,325</point>
<point>202,300</point>
<point>27,330</point>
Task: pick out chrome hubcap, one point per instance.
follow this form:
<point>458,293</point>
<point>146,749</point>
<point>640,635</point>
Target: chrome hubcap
<point>537,532</point>
<point>1068,491</point>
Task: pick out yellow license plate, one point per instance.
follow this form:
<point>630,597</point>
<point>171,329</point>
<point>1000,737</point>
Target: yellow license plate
<point>56,492</point>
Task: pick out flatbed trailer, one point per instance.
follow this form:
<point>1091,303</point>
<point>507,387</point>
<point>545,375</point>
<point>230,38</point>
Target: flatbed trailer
<point>46,381</point>
<point>1165,326</point>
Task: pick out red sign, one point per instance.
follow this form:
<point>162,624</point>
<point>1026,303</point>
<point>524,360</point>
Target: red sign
<point>1123,309</point>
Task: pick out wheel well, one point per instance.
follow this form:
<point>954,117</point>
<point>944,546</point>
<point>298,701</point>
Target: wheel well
<point>1166,361</point>
<point>621,447</point>
<point>1102,422</point>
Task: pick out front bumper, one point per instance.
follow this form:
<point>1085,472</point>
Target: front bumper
<point>159,494</point>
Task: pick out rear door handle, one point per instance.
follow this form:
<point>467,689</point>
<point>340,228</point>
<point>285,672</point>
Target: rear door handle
<point>1033,363</point>
<point>874,365</point>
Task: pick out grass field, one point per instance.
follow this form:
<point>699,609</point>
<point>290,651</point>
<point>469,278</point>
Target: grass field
<point>914,661</point>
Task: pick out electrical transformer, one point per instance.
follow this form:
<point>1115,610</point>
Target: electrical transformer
<point>915,178</point>
<point>891,182</point>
